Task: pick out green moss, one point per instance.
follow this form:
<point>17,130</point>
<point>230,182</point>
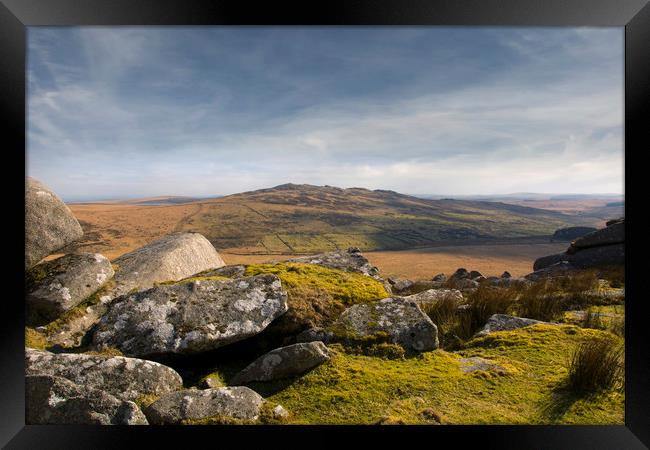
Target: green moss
<point>34,339</point>
<point>346,287</point>
<point>144,401</point>
<point>215,376</point>
<point>361,389</point>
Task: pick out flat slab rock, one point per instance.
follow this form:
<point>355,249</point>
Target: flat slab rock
<point>172,257</point>
<point>237,402</point>
<point>351,260</point>
<point>191,317</point>
<point>125,378</point>
<point>403,321</point>
<point>49,223</point>
<point>504,322</point>
<point>613,234</point>
<point>284,362</point>
<point>58,285</point>
<point>57,400</point>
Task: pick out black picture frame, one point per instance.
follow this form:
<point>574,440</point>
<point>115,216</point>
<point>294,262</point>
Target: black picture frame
<point>16,15</point>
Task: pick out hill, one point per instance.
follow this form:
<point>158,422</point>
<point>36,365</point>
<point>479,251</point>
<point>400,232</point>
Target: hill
<point>302,219</point>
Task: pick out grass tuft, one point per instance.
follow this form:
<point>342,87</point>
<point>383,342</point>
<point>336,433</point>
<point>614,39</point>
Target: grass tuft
<point>597,364</point>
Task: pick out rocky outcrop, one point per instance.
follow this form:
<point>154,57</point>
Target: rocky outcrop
<point>401,321</point>
<point>49,223</point>
<point>503,322</point>
<point>601,248</point>
<point>54,287</point>
<point>124,378</point>
<point>191,317</point>
<point>433,296</point>
<point>56,400</point>
<point>192,404</point>
<point>284,362</point>
<point>172,257</point>
<point>351,260</point>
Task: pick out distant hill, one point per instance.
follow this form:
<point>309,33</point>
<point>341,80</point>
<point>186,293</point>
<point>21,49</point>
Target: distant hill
<point>294,218</point>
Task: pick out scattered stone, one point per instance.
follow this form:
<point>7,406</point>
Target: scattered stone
<point>125,378</point>
<point>57,400</point>
<point>172,257</point>
<point>400,285</point>
<point>441,277</point>
<point>506,274</point>
<point>546,261</point>
<point>433,296</point>
<point>280,413</point>
<point>49,223</point>
<point>475,363</point>
<point>465,284</point>
<point>474,274</point>
<point>460,274</point>
<point>54,287</point>
<point>315,334</point>
<point>284,362</point>
<point>191,404</point>
<point>403,322</point>
<point>503,322</point>
<point>191,317</point>
<point>479,279</point>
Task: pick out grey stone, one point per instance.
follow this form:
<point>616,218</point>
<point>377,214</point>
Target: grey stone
<point>225,271</point>
<point>399,285</point>
<point>433,296</point>
<point>191,404</point>
<point>613,234</point>
<point>441,277</point>
<point>506,274</point>
<point>125,378</point>
<point>284,362</point>
<point>464,284</point>
<point>54,287</point>
<point>315,334</point>
<point>403,322</point>
<point>594,257</point>
<point>192,317</point>
<point>504,322</point>
<point>49,223</point>
<point>460,274</point>
<point>475,274</point>
<point>211,383</point>
<point>546,261</point>
<point>559,269</point>
<point>172,257</point>
<point>280,413</point>
<point>57,400</point>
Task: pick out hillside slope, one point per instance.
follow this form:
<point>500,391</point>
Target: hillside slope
<point>302,218</point>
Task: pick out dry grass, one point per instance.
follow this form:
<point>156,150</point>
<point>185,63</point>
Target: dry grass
<point>597,364</point>
<point>489,259</point>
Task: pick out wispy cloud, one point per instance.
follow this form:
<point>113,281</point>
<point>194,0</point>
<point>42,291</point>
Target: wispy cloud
<point>203,111</point>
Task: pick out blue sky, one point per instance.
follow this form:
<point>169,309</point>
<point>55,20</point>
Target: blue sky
<point>122,112</point>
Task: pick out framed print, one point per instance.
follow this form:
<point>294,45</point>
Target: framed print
<point>250,221</point>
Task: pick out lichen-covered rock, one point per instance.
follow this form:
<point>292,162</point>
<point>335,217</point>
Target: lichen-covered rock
<point>49,223</point>
<point>125,378</point>
<point>284,362</point>
<point>504,322</point>
<point>172,257</point>
<point>54,287</point>
<point>57,400</point>
<point>433,296</point>
<point>226,271</point>
<point>351,260</point>
<point>594,257</point>
<point>315,334</point>
<point>191,404</point>
<point>191,317</point>
<point>402,321</point>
